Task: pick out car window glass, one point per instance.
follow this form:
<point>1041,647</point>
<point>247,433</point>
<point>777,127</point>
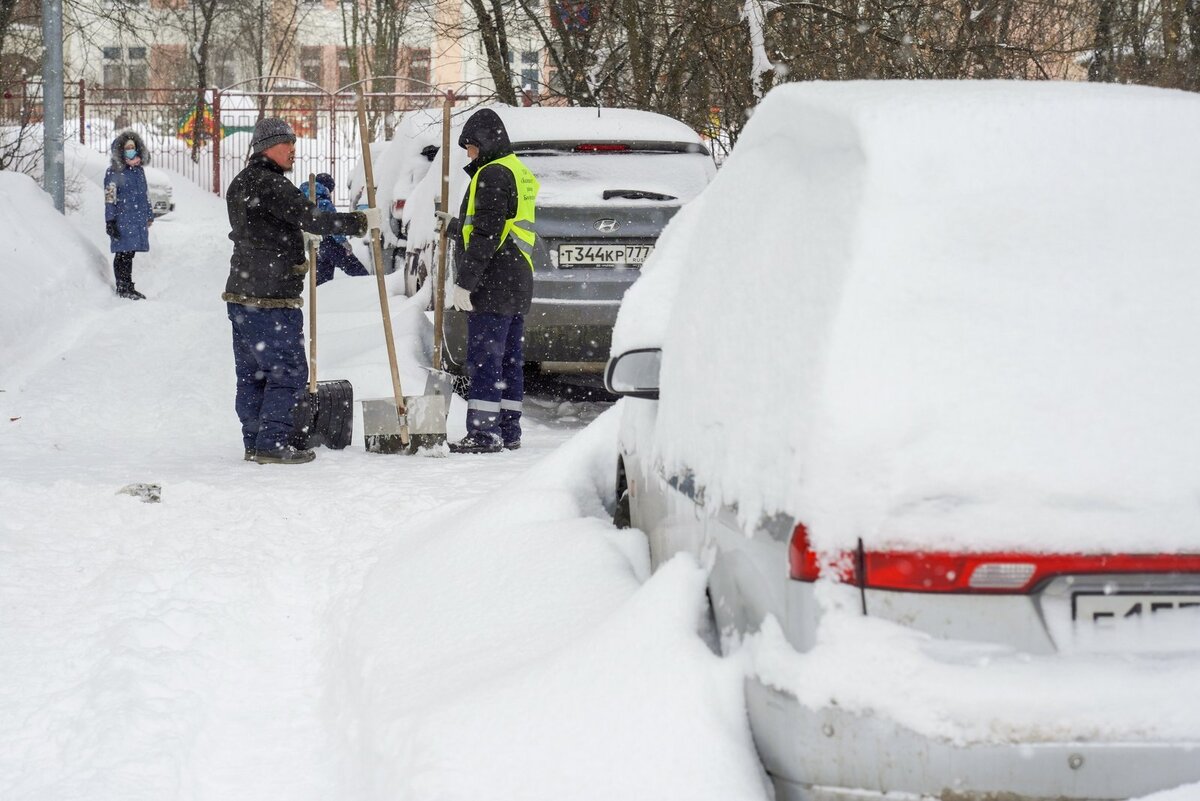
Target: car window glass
<point>583,178</point>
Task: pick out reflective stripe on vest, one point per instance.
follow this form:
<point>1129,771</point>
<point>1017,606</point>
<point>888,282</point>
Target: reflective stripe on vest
<point>521,227</point>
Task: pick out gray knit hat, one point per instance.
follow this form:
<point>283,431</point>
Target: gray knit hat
<point>270,131</point>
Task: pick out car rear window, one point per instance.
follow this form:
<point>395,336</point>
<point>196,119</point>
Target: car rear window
<point>570,178</point>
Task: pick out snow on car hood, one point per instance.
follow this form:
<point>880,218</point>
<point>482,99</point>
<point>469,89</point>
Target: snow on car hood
<point>942,315</point>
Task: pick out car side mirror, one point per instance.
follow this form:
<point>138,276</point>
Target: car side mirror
<point>634,373</point>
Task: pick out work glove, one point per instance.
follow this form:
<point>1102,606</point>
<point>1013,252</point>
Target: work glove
<point>110,227</point>
<point>373,220</point>
<point>444,220</point>
<point>311,239</point>
<point>460,299</point>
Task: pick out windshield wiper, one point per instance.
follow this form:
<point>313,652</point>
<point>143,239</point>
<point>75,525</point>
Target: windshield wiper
<point>636,194</point>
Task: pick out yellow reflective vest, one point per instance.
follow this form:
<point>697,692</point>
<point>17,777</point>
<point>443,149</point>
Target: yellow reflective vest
<point>520,227</point>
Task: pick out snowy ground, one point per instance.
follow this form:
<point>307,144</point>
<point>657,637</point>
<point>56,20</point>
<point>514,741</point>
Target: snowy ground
<point>362,627</point>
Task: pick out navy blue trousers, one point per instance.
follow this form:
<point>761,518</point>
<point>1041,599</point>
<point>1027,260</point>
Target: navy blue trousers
<point>272,372</point>
<point>332,255</point>
<point>495,365</point>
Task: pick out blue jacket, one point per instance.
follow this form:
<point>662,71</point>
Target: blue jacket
<point>324,203</point>
<point>127,199</point>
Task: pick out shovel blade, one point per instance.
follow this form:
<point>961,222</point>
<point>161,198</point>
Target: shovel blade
<point>382,426</point>
<point>440,383</point>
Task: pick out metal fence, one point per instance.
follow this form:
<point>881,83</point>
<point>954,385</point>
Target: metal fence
<point>205,135</point>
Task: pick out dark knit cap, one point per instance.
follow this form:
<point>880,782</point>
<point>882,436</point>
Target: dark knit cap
<point>270,131</point>
<point>325,180</point>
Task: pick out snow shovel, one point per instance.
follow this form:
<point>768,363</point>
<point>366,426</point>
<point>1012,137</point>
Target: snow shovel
<point>325,416</point>
<point>385,426</point>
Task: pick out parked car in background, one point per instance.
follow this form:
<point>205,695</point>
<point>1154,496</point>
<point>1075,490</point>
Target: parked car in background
<point>399,164</point>
<point>919,381</point>
<point>610,181</point>
<point>162,195</point>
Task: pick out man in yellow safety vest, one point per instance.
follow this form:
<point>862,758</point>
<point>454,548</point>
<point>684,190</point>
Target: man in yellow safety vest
<point>494,283</point>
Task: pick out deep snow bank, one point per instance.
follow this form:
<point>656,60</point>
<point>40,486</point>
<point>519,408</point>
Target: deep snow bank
<point>459,681</point>
<point>49,274</point>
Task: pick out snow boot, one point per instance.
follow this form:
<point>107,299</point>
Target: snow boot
<point>477,442</point>
<point>250,452</point>
<point>285,455</point>
<point>130,293</point>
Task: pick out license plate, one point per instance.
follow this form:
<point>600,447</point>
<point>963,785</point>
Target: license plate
<point>1105,611</point>
<point>584,255</point>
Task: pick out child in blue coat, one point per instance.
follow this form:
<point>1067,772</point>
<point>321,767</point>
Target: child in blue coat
<point>127,213</point>
<point>334,251</point>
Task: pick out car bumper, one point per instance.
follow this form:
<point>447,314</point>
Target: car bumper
<point>833,755</point>
<point>571,319</point>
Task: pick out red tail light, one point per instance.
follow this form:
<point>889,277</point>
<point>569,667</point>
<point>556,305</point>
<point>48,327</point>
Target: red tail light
<point>917,571</point>
<point>601,147</point>
<point>398,208</point>
<point>807,565</point>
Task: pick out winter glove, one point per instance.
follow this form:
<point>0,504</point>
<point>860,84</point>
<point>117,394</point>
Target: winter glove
<point>110,227</point>
<point>460,299</point>
<point>444,220</point>
<point>373,220</point>
<point>311,239</point>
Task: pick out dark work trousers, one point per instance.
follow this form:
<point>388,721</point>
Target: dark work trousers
<point>495,364</point>
<point>123,270</point>
<point>272,372</point>
<point>333,254</point>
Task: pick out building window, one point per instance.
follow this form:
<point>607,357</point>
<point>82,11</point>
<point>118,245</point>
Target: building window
<point>344,75</point>
<point>418,69</point>
<point>530,74</point>
<point>311,64</point>
<point>224,70</point>
<point>125,68</point>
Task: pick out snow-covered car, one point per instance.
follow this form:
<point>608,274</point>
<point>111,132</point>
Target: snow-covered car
<point>917,377</point>
<point>399,164</point>
<point>158,186</point>
<point>610,181</point>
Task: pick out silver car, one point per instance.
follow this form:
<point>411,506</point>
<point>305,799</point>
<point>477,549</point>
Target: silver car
<point>977,404</point>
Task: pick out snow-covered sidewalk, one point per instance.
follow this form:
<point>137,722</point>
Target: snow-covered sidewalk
<point>362,627</point>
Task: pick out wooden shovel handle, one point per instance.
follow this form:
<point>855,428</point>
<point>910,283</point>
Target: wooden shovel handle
<point>439,285</point>
<point>312,298</point>
<point>377,253</point>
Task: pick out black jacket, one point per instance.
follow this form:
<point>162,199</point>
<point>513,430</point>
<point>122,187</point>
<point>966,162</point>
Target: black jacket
<point>500,281</point>
<point>266,215</point>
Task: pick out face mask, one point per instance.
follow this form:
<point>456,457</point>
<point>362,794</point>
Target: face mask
<point>130,155</point>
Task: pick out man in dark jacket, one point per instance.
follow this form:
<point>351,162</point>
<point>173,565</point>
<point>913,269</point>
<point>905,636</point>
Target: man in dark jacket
<point>494,282</point>
<point>268,215</point>
<point>127,212</point>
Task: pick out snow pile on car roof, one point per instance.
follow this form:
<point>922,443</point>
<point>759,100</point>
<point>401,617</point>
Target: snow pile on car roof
<point>592,125</point>
<point>943,314</point>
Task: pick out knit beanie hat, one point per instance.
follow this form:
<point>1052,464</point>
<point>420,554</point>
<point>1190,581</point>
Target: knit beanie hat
<point>270,131</point>
<point>325,180</point>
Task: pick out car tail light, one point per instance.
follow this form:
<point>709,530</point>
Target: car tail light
<point>398,209</point>
<point>601,147</point>
<point>807,565</point>
<point>995,572</point>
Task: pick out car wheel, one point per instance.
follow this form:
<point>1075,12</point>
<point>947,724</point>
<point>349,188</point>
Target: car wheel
<point>415,274</point>
<point>622,518</point>
<point>708,630</point>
